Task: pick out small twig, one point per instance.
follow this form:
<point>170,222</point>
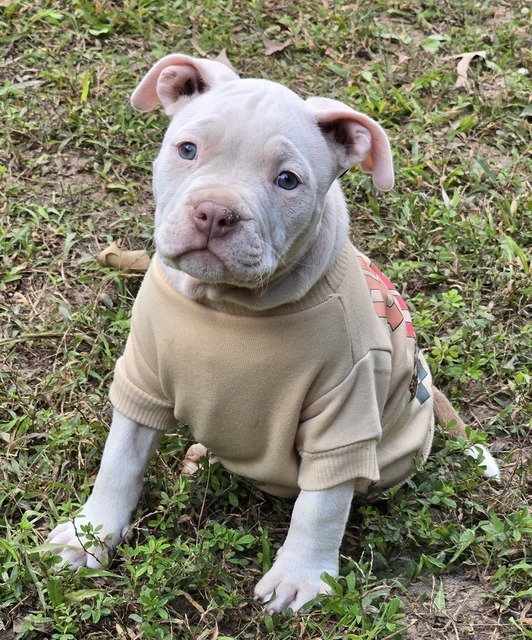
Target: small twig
<point>203,502</point>
<point>91,541</point>
<point>42,336</point>
<point>31,336</point>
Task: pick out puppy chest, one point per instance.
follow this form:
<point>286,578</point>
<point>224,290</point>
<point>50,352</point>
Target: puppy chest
<point>234,379</point>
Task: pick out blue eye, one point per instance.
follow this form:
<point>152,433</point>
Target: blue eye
<point>287,180</point>
<point>187,150</point>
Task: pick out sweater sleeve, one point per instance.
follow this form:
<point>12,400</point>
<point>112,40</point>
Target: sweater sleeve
<point>338,433</point>
<point>136,390</point>
<point>148,408</point>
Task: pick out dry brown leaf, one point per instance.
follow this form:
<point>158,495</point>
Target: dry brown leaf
<point>207,633</point>
<point>118,258</point>
<point>308,39</point>
<point>194,42</point>
<point>271,47</point>
<point>501,15</point>
<point>463,66</point>
<point>194,603</point>
<point>222,57</point>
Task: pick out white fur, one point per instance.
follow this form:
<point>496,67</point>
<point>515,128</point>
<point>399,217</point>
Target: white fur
<point>486,461</point>
<point>115,495</point>
<point>311,548</point>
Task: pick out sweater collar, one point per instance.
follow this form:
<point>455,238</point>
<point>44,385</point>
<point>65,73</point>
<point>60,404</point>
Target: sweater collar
<point>326,287</point>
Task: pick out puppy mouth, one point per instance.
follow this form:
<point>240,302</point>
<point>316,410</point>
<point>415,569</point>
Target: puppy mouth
<point>209,267</point>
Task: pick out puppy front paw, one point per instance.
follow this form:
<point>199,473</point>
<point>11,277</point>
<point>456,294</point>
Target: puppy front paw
<point>293,581</point>
<point>87,541</point>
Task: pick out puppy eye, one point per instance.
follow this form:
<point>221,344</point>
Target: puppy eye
<point>187,150</point>
<point>287,180</point>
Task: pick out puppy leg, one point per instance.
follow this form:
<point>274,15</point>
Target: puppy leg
<point>116,492</point>
<point>446,415</point>
<point>311,548</point>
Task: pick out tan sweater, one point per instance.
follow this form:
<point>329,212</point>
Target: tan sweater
<point>304,396</point>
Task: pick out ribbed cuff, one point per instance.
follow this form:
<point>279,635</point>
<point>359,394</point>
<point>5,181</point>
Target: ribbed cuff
<point>137,405</point>
<point>326,469</point>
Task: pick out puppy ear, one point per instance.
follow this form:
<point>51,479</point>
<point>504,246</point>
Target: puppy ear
<point>356,139</point>
<point>175,78</point>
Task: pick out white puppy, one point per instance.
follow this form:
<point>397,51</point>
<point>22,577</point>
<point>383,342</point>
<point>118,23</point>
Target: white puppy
<point>288,354</point>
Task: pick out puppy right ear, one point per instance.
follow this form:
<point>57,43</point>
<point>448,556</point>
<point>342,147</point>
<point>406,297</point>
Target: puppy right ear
<point>176,78</point>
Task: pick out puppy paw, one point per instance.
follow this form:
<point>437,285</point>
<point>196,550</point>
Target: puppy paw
<point>292,582</point>
<point>192,458</point>
<point>87,541</point>
<point>486,461</point>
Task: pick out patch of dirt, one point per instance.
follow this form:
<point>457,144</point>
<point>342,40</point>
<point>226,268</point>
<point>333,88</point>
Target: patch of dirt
<point>495,156</point>
<point>453,607</point>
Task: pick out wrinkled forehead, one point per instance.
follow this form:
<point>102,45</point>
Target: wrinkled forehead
<point>256,109</point>
<point>253,94</point>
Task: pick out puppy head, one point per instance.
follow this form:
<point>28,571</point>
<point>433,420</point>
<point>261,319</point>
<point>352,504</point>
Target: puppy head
<point>246,170</point>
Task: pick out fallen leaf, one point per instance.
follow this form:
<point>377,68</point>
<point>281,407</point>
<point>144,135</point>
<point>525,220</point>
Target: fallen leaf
<point>194,42</point>
<point>501,15</point>
<point>308,39</point>
<point>117,258</point>
<point>463,66</point>
<point>272,47</point>
<point>222,57</point>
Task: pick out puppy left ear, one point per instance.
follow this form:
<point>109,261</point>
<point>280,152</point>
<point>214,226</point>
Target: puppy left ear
<point>356,139</point>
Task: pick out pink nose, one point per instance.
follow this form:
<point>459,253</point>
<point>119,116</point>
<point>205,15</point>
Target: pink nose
<point>214,220</point>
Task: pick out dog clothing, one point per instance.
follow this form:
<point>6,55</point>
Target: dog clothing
<point>307,395</point>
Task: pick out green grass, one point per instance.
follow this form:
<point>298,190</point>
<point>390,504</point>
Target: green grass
<point>448,554</point>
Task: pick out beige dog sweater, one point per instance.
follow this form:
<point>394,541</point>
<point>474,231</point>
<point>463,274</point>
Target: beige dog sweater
<point>304,396</point>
